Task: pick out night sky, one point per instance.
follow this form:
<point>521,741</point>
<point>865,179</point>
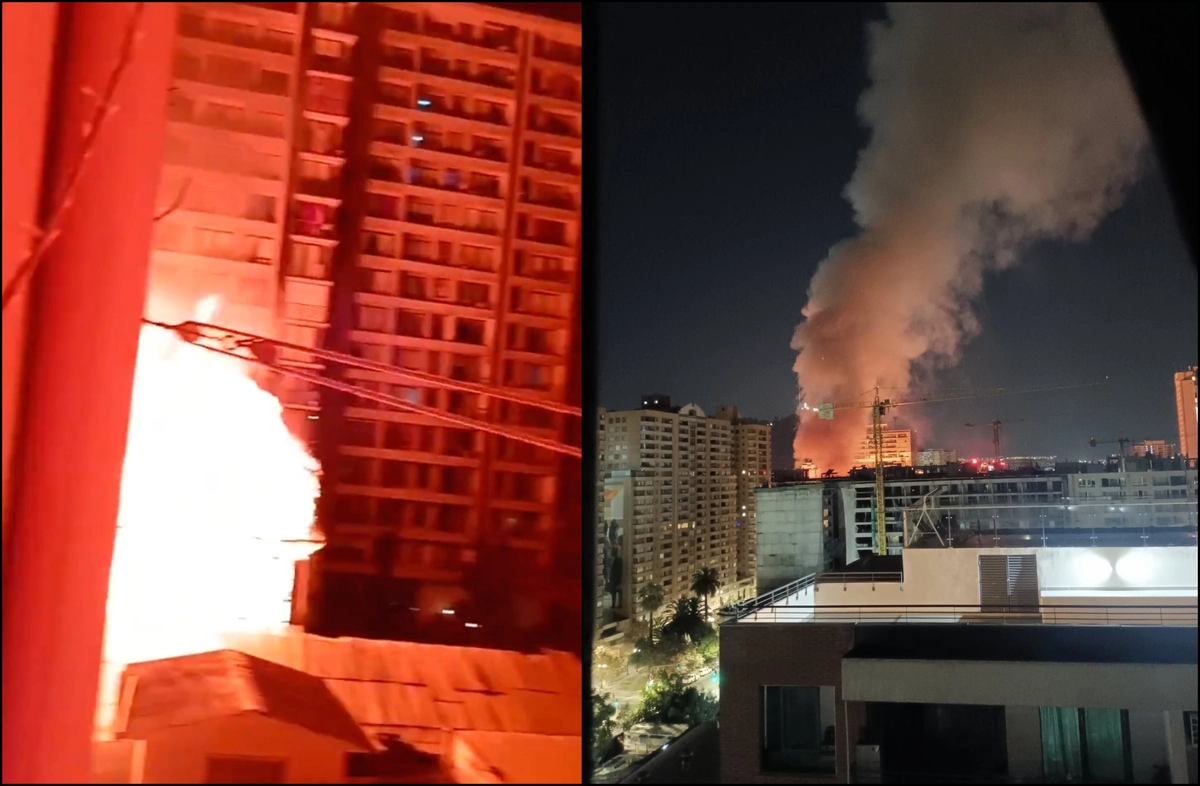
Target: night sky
<point>726,136</point>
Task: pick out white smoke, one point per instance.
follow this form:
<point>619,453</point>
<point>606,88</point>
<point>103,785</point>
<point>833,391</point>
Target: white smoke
<point>992,126</point>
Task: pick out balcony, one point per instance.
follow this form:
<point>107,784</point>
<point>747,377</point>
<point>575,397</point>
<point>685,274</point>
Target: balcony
<point>311,186</point>
<point>490,77</point>
<point>550,124</point>
<point>240,250</point>
<point>380,170</point>
<point>391,95</point>
<point>437,106</point>
<point>498,40</point>
<point>316,270</point>
<point>573,94</point>
<point>265,82</point>
<point>557,201</point>
<point>400,59</point>
<point>322,231</point>
<point>335,16</point>
<point>477,151</point>
<point>557,52</point>
<point>546,238</point>
<point>178,153</point>
<point>563,167</point>
<point>193,25</point>
<point>226,121</point>
<point>527,269</point>
<point>330,65</point>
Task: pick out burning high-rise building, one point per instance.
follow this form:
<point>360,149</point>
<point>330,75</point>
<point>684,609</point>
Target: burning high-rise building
<point>400,182</point>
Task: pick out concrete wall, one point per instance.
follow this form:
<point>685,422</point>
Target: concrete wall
<point>951,576</point>
<point>757,655</point>
<point>791,543</point>
<point>179,755</point>
<point>1023,735</point>
<point>1145,686</point>
<point>1147,742</point>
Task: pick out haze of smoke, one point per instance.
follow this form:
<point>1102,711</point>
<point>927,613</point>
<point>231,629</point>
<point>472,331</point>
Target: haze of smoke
<point>992,125</point>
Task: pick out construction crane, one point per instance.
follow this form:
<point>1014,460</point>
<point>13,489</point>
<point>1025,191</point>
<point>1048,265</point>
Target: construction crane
<point>264,351</point>
<point>1121,441</point>
<point>995,424</point>
<point>880,406</point>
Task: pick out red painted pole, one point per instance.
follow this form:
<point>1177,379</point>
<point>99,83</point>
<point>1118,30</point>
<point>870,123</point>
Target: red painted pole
<point>85,304</point>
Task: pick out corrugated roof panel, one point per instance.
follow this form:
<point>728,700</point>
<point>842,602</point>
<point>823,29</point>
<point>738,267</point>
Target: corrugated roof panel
<point>453,714</point>
<point>480,712</point>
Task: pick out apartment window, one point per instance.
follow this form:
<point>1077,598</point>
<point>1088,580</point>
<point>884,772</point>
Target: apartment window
<point>409,323</point>
<point>352,509</point>
<point>798,729</point>
<point>412,286</point>
<point>327,47</point>
<point>372,318</point>
<point>472,294</point>
<point>1085,745</point>
<point>379,244</point>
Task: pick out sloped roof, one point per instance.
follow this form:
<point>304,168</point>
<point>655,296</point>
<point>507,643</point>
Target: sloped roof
<point>422,692</point>
<point>528,758</point>
<point>193,688</point>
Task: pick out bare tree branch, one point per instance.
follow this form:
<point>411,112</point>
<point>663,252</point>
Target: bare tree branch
<point>105,109</point>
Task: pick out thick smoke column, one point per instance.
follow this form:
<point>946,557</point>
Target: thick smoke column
<point>992,125</point>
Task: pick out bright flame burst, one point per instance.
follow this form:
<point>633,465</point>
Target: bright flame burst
<point>217,504</point>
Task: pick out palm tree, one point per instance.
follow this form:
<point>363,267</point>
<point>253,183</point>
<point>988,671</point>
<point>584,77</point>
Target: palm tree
<point>706,582</point>
<point>650,599</point>
<point>685,620</point>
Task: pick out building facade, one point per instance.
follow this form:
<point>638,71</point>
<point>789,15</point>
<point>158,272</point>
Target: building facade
<point>936,457</point>
<point>669,499</point>
<point>1153,447</point>
<point>799,532</point>
<point>1078,665</point>
<point>897,448</point>
<point>1185,412</point>
<point>752,470</point>
<point>400,182</point>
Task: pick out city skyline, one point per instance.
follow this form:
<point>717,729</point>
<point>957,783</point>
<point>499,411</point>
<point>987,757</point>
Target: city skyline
<point>769,206</point>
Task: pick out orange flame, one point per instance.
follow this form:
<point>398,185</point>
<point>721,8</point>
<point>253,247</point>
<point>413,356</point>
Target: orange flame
<point>217,504</point>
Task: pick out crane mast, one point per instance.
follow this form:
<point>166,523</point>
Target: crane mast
<point>879,408</point>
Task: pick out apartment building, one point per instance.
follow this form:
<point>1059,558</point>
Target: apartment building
<point>669,499</point>
<point>401,182</point>
<point>800,531</point>
<point>897,448</point>
<point>1157,448</point>
<point>752,470</point>
<point>1185,412</point>
<point>968,665</point>
<point>936,457</point>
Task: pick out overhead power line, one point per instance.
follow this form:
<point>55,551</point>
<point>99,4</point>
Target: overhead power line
<point>263,351</point>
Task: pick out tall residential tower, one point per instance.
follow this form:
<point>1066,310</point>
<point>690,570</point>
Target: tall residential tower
<point>400,182</point>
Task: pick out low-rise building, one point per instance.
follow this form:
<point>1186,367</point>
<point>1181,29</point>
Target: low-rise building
<point>968,665</point>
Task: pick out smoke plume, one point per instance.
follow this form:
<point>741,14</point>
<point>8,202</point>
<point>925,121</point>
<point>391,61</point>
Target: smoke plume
<point>992,126</point>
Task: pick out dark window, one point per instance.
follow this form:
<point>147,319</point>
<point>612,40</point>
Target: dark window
<point>233,769</point>
<point>798,729</point>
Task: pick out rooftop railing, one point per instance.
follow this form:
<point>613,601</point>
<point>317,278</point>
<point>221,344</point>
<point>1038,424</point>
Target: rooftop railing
<point>1155,615</point>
